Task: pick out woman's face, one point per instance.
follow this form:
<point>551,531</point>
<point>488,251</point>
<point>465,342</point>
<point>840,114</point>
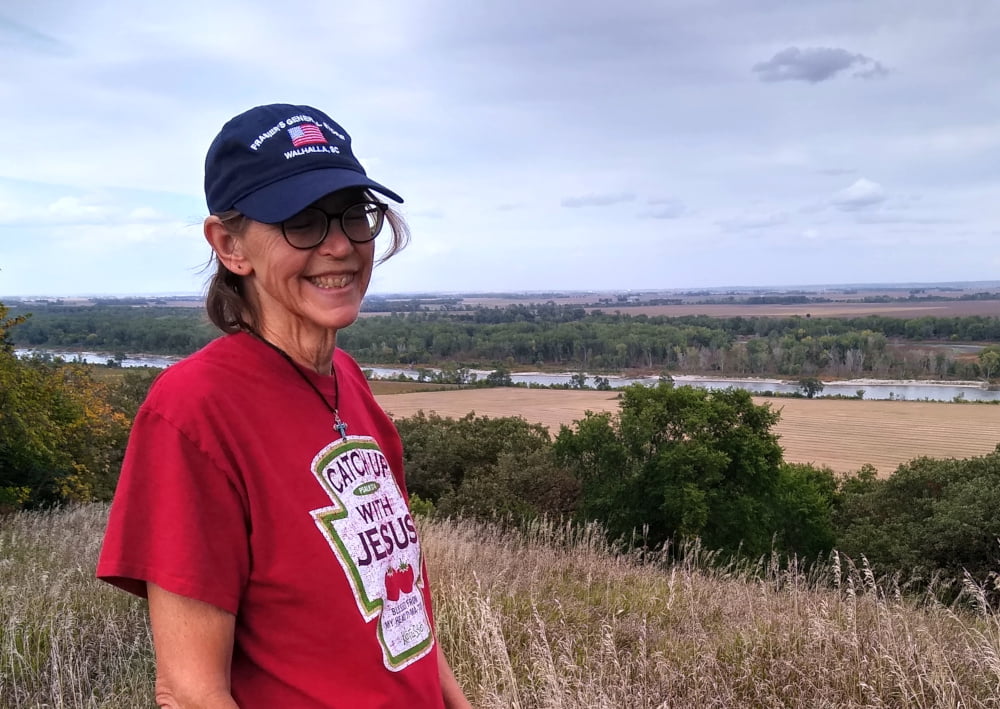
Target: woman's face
<point>307,289</point>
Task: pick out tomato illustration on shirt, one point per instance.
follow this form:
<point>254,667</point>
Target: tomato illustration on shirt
<point>404,578</point>
<point>392,585</point>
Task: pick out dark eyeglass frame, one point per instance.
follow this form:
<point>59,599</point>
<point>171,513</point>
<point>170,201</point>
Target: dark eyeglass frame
<point>330,217</point>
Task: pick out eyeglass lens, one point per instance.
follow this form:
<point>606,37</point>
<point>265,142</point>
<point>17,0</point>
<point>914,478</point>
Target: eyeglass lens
<point>360,222</point>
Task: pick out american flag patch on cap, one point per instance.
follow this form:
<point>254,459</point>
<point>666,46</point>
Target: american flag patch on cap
<point>306,134</point>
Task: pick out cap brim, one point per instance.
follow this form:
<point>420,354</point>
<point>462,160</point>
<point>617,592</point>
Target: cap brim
<point>282,199</point>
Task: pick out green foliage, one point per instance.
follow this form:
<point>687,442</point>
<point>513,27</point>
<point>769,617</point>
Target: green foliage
<point>483,467</point>
<point>115,328</point>
<point>421,507</point>
<point>499,377</point>
<point>5,325</point>
<point>126,393</point>
<point>804,502</point>
<point>564,336</point>
<point>684,462</point>
<point>989,360</point>
<point>929,516</point>
<point>811,386</point>
<point>60,439</point>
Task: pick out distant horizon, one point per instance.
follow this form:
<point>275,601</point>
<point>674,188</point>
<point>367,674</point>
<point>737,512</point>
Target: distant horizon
<point>722,289</point>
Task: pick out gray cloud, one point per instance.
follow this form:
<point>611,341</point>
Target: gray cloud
<point>754,222</point>
<point>665,209</point>
<point>598,200</point>
<point>815,64</point>
<point>14,34</point>
<point>884,218</point>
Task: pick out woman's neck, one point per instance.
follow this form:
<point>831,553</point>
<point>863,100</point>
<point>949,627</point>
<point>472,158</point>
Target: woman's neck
<point>309,348</point>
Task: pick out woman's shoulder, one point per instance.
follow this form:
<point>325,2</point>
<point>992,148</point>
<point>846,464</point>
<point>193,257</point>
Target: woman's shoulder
<point>221,365</point>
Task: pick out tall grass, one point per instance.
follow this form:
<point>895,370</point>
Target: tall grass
<point>66,639</point>
<point>549,617</point>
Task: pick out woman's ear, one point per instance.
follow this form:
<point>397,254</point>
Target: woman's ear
<point>228,247</point>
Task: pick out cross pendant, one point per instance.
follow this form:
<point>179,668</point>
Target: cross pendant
<point>339,426</point>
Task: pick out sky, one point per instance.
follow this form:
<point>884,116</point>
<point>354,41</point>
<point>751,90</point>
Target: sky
<point>538,144</point>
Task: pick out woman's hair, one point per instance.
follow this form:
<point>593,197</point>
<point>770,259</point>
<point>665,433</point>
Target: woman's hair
<point>226,299</point>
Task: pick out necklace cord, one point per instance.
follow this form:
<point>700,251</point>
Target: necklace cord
<point>338,424</point>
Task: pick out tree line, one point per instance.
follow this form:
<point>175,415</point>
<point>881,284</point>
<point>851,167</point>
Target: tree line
<point>549,335</point>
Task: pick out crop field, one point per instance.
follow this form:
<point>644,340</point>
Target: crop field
<point>936,309</point>
<point>846,305</point>
<point>842,434</point>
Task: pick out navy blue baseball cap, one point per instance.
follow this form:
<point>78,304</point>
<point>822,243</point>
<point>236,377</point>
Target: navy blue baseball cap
<point>273,161</point>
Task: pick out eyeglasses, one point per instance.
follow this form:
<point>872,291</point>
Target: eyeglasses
<point>360,223</point>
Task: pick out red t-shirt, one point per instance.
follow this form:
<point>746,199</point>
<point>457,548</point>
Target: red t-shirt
<point>237,491</point>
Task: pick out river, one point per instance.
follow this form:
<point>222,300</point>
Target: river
<point>875,389</point>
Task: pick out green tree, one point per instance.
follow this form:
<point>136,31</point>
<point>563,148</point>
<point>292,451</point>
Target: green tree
<point>499,377</point>
<point>60,438</point>
<point>811,386</point>
<point>679,462</point>
<point>989,361</point>
<point>482,466</point>
<point>930,516</point>
<point>804,504</point>
<point>602,384</point>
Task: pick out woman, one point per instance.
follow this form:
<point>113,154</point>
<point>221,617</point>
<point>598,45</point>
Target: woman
<point>261,507</point>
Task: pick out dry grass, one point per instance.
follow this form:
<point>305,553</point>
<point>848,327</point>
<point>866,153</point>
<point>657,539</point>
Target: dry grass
<point>843,434</point>
<point>66,640</point>
<point>387,386</point>
<point>555,618</point>
<point>549,618</point>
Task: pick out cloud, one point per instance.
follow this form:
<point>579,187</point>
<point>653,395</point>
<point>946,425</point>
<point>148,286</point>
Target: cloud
<point>884,218</point>
<point>837,171</point>
<point>22,36</point>
<point>753,222</point>
<point>860,195</point>
<point>815,64</point>
<point>598,200</point>
<point>71,210</point>
<point>665,209</point>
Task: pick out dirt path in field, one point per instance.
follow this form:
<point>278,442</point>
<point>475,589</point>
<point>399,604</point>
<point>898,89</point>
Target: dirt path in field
<point>842,434</point>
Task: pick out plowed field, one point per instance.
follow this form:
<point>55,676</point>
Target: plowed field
<point>843,434</point>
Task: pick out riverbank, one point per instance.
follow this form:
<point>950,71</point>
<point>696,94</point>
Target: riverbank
<point>872,389</point>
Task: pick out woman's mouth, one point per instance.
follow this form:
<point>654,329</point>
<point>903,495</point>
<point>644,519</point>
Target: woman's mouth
<point>330,282</point>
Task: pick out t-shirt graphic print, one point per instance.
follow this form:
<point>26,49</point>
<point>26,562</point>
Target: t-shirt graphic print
<point>371,532</point>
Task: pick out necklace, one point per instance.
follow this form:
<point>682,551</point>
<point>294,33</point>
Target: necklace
<point>338,424</point>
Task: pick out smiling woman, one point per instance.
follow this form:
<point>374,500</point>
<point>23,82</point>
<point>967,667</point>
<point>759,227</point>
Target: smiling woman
<point>270,583</point>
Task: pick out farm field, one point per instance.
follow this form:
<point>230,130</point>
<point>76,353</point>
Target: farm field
<point>842,434</point>
<point>936,309</point>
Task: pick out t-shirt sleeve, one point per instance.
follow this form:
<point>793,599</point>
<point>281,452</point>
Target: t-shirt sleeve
<point>178,519</point>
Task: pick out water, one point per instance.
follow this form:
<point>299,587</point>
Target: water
<point>103,357</point>
<point>874,389</point>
